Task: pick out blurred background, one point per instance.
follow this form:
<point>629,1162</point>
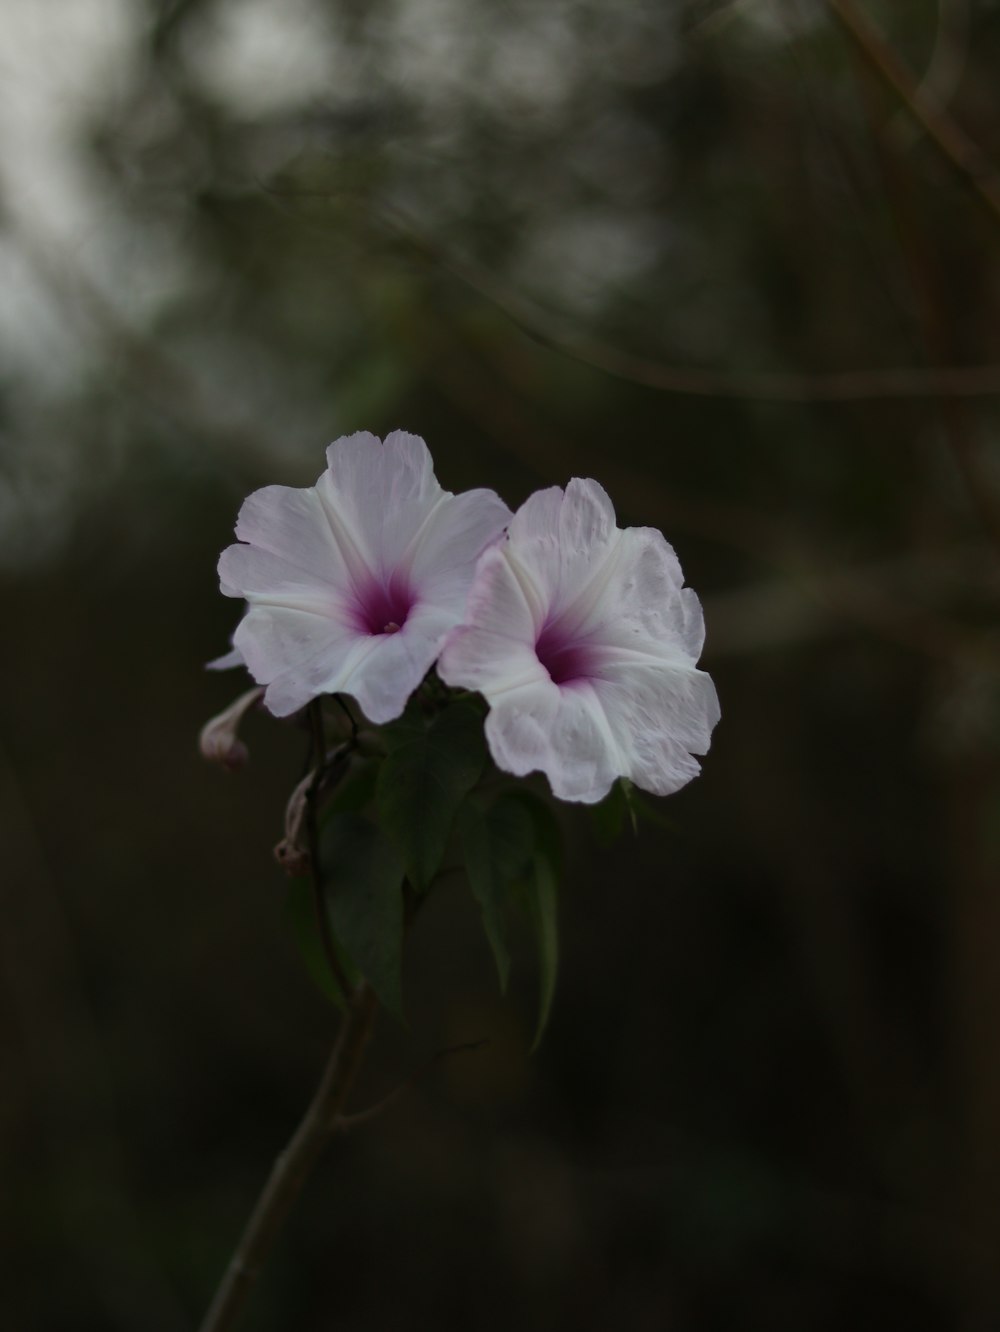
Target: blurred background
<point>696,249</point>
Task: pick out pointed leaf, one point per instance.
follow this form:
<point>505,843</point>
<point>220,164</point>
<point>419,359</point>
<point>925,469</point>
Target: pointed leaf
<point>363,886</point>
<point>355,790</point>
<point>608,818</point>
<point>541,899</point>
<point>422,784</point>
<point>631,800</point>
<point>300,912</point>
<point>496,846</point>
<point>548,834</point>
<point>410,726</point>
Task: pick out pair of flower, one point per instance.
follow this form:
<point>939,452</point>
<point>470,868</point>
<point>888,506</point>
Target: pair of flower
<point>581,636</point>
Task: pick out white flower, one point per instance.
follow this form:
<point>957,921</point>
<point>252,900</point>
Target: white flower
<point>584,642</point>
<point>353,584</point>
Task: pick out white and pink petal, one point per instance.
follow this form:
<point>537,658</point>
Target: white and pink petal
<point>584,642</point>
<point>353,585</point>
<point>542,728</point>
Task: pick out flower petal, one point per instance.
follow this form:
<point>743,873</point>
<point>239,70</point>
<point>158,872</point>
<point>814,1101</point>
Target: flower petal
<point>640,599</point>
<point>561,732</point>
<point>442,556</point>
<point>660,715</point>
<point>561,539</point>
<point>493,651</point>
<point>353,585</point>
<point>294,652</point>
<point>378,496</point>
<point>228,660</point>
<point>386,677</point>
<point>260,577</point>
<point>583,639</point>
<point>292,525</point>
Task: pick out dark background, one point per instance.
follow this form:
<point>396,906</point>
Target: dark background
<point>635,241</point>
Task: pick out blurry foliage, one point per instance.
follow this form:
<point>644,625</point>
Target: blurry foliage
<point>770,1092</point>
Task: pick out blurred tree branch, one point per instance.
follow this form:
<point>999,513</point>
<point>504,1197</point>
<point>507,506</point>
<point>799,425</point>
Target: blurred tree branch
<point>856,385</point>
<point>963,154</point>
<point>861,595</point>
<point>934,381</point>
<point>935,331</point>
<point>944,70</point>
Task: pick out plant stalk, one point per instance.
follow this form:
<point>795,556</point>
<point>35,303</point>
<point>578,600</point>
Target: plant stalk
<point>295,1164</point>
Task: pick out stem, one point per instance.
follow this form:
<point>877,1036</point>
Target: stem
<point>341,703</point>
<point>294,1165</point>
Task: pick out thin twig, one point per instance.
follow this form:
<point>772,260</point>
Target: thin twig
<point>937,381</point>
<point>854,593</point>
<point>341,703</point>
<point>964,155</point>
<point>918,253</point>
<point>294,1165</point>
<point>943,75</point>
<point>856,385</point>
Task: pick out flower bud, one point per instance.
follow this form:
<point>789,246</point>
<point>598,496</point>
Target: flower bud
<point>219,740</point>
<point>292,859</point>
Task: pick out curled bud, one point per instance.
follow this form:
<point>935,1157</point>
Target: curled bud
<point>292,859</point>
<point>290,853</point>
<point>219,740</point>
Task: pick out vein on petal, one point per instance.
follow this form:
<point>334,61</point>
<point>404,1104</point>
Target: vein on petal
<point>409,554</point>
<point>533,603</point>
<point>345,540</point>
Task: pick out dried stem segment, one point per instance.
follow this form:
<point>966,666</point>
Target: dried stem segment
<point>294,1164</point>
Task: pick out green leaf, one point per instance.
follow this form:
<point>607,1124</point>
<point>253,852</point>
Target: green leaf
<point>541,901</point>
<point>607,819</point>
<point>496,846</point>
<point>548,834</point>
<point>422,784</point>
<point>410,726</point>
<point>300,911</point>
<point>355,790</point>
<point>650,812</point>
<point>363,887</point>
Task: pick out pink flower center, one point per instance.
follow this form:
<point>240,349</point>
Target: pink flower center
<point>566,659</point>
<point>382,608</point>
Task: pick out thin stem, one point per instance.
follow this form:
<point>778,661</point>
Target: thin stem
<point>342,704</point>
<point>859,385</point>
<point>294,1165</point>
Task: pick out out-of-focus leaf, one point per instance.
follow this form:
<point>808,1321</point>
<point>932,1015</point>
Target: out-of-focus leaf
<point>540,895</point>
<point>548,834</point>
<point>650,811</point>
<point>412,725</point>
<point>356,789</point>
<point>363,885</point>
<point>607,819</point>
<point>497,846</point>
<point>422,784</point>
<point>300,911</point>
